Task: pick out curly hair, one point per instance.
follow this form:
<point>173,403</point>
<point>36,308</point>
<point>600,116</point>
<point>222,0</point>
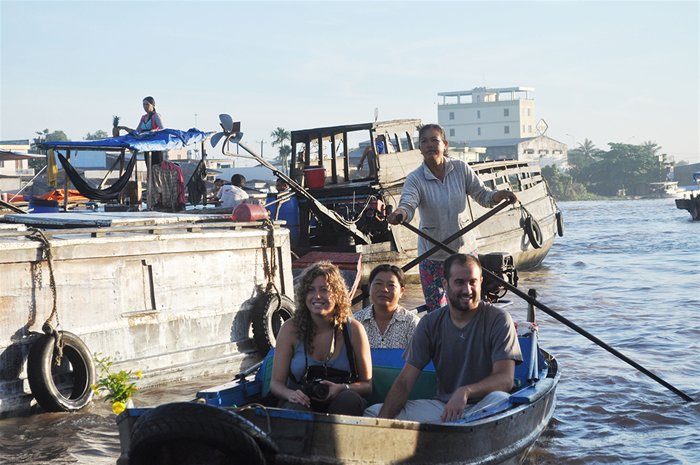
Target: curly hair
<point>337,288</point>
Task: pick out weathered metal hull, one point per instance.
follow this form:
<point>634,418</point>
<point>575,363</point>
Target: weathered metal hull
<point>166,295</point>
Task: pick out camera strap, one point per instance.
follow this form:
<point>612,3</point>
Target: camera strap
<point>351,353</point>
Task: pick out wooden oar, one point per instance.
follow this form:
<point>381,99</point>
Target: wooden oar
<point>532,301</point>
<point>454,236</point>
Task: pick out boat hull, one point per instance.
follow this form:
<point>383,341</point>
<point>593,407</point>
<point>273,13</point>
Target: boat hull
<point>169,296</point>
<point>504,232</point>
<point>303,437</point>
<point>504,438</point>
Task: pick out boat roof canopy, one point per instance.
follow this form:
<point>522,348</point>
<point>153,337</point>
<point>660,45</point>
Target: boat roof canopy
<point>398,126</point>
<point>164,139</point>
<point>7,155</point>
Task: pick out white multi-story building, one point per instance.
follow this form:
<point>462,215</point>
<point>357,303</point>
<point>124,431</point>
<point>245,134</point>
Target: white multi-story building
<point>501,120</point>
<point>483,114</point>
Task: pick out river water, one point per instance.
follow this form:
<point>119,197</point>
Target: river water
<point>626,271</point>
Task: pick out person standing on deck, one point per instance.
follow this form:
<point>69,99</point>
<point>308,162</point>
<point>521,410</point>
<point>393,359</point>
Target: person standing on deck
<point>473,345</point>
<point>151,121</point>
<point>439,189</point>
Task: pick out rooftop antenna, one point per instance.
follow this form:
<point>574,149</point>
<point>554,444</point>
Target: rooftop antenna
<point>376,113</point>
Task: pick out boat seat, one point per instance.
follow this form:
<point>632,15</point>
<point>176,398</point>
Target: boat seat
<point>387,363</point>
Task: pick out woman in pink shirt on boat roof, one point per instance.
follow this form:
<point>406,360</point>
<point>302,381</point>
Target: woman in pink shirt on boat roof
<point>151,121</point>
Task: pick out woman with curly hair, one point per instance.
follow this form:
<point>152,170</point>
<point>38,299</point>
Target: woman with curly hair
<point>322,342</point>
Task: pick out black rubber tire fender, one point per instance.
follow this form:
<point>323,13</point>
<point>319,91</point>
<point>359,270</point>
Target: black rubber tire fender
<point>560,223</point>
<point>269,312</point>
<point>177,425</point>
<point>534,232</point>
<point>40,365</point>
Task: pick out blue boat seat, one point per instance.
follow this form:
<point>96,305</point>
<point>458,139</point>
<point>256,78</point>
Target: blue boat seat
<point>387,363</point>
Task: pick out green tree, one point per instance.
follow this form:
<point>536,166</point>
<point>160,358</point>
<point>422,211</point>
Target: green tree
<point>562,186</point>
<point>581,158</point>
<point>99,134</point>
<point>650,147</point>
<point>44,136</point>
<point>623,170</point>
<point>279,137</point>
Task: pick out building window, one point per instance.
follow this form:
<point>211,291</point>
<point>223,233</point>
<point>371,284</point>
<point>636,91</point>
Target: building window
<point>478,114</point>
<point>523,128</point>
<point>478,131</point>
<point>506,129</point>
<point>452,132</point>
<point>452,115</point>
<point>529,128</point>
<point>528,112</point>
<point>506,112</point>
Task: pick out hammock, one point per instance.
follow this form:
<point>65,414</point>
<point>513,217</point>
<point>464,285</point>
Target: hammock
<point>108,193</point>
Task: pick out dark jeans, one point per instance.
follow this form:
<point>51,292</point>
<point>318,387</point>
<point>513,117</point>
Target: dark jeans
<point>345,403</point>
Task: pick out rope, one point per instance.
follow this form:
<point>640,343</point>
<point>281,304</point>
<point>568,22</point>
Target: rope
<point>527,213</point>
<point>265,411</point>
<point>47,327</point>
<point>270,265</point>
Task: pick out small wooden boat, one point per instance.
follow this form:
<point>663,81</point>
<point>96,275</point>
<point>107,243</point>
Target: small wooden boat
<point>502,433</point>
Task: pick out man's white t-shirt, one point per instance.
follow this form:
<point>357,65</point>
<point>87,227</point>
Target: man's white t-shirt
<point>231,196</point>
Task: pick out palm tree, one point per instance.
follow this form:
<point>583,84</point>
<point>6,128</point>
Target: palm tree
<point>279,137</point>
<point>650,147</point>
<point>581,159</point>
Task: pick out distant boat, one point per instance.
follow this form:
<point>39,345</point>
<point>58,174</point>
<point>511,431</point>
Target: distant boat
<point>665,190</point>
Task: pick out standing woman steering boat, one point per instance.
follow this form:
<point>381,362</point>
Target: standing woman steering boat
<point>439,189</point>
<point>151,121</point>
<point>322,358</point>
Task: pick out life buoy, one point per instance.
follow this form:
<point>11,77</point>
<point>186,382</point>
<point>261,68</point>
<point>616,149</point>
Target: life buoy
<point>560,223</point>
<point>533,231</point>
<point>190,429</point>
<point>42,370</point>
<point>270,311</point>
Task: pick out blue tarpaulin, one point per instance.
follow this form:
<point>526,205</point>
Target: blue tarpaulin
<point>164,139</point>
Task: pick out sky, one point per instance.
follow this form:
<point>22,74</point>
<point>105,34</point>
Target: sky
<point>607,71</point>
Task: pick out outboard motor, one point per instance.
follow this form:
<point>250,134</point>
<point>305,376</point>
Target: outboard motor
<point>500,264</point>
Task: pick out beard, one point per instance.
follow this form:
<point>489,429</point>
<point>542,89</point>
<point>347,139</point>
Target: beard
<point>462,301</point>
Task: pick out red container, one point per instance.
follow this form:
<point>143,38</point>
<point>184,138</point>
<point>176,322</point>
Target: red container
<point>249,212</point>
<point>315,178</point>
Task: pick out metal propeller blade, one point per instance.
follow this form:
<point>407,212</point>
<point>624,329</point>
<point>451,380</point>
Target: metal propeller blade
<point>226,122</point>
<point>216,138</point>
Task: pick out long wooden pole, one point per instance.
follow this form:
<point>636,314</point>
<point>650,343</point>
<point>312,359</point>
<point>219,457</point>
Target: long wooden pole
<point>532,301</point>
<point>454,236</point>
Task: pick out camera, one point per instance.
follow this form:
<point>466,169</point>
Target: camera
<point>315,389</point>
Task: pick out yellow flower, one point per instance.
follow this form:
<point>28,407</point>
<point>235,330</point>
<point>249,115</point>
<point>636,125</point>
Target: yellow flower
<point>94,388</point>
<point>118,407</point>
<point>138,374</point>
